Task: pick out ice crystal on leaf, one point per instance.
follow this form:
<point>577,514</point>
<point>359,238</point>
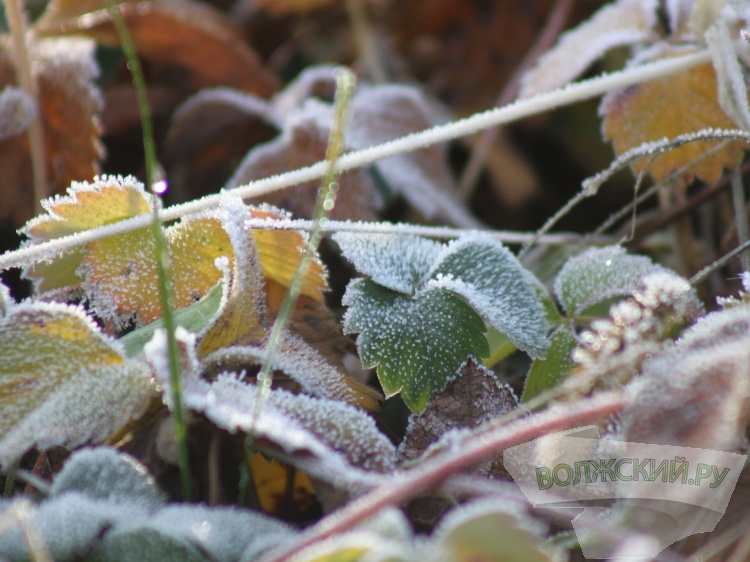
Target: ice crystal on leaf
<point>623,22</point>
<point>394,261</point>
<point>62,382</point>
<point>420,315</point>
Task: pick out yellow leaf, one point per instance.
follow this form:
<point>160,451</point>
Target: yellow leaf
<point>682,103</point>
<point>62,382</point>
<point>107,200</point>
<point>281,488</point>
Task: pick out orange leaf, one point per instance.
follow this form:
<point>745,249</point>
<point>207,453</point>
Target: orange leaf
<point>679,104</point>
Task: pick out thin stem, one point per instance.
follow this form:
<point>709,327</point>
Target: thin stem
<point>35,131</point>
<point>553,26</point>
<point>740,213</point>
<point>365,39</point>
<point>709,269</point>
<point>435,470</point>
<point>161,250</point>
<point>520,109</point>
<point>591,186</point>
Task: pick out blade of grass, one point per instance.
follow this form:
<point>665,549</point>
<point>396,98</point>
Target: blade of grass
<point>161,251</point>
<point>345,86</point>
<point>35,132</point>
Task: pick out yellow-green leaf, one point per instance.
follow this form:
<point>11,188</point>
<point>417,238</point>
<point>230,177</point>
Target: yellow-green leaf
<point>62,382</point>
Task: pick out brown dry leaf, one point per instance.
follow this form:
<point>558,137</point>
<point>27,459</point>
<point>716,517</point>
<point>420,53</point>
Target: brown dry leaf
<point>298,7</point>
<point>65,71</point>
<point>180,32</point>
<point>472,398</point>
<point>303,143</point>
<point>682,103</point>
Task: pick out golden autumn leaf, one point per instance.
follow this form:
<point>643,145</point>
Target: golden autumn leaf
<point>665,108</point>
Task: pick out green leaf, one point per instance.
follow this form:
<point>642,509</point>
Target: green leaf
<point>546,373</point>
<point>194,318</point>
<point>395,261</point>
<point>493,281</point>
<point>599,274</point>
<point>417,343</point>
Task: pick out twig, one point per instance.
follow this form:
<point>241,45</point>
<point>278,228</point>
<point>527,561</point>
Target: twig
<point>437,469</point>
<point>549,33</point>
<point>365,40</point>
<point>571,93</point>
<point>740,213</point>
<point>35,131</point>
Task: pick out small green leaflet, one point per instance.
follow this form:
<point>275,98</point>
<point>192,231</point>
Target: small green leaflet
<point>195,318</point>
<point>546,373</point>
<point>426,307</point>
<point>418,343</point>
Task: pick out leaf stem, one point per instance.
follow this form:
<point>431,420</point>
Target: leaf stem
<point>161,250</point>
<point>25,77</point>
<point>520,109</point>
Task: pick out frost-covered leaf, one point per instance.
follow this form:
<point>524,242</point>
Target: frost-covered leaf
<point>69,104</point>
<point>474,397</point>
<point>384,113</point>
<point>599,274</point>
<point>417,343</point>
<point>304,365</point>
<point>490,530</point>
<point>328,439</point>
<point>61,381</point>
<point>394,261</point>
<point>70,524</point>
<point>223,533</point>
<point>86,206</point>
<point>731,79</point>
<point>303,142</point>
<point>546,373</point>
<point>106,474</point>
<point>204,42</point>
<point>494,282</point>
<point>139,541</point>
<point>696,394</point>
<point>418,313</point>
<point>17,110</point>
<point>622,22</point>
<point>668,107</point>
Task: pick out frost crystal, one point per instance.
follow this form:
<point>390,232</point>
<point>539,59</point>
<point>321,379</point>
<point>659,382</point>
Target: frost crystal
<point>599,274</point>
<point>395,261</point>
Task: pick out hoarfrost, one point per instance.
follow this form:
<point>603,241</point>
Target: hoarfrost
<point>70,523</point>
<point>64,383</point>
<point>623,22</point>
<point>222,532</point>
<point>298,360</point>
<point>599,274</point>
<point>494,282</point>
<point>395,261</point>
<point>323,437</point>
<point>106,474</point>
